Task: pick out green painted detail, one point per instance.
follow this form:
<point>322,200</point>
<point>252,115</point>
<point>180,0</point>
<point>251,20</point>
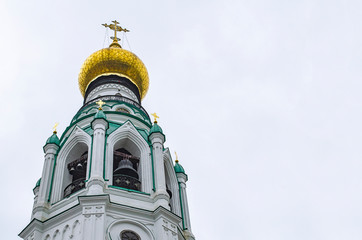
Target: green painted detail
<point>51,181</point>
<point>128,190</point>
<point>146,120</point>
<point>147,123</point>
<point>156,128</point>
<point>100,115</point>
<point>92,107</point>
<point>53,139</point>
<point>153,170</point>
<point>38,183</point>
<point>182,209</point>
<point>112,126</point>
<point>63,141</point>
<point>88,116</point>
<point>90,159</point>
<point>88,130</point>
<point>144,134</point>
<point>178,168</point>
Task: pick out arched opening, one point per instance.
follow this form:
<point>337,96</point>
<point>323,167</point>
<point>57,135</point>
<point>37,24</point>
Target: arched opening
<point>129,235</point>
<point>76,170</point>
<point>125,170</point>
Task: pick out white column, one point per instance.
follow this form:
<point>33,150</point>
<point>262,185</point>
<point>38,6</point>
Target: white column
<point>161,195</point>
<point>182,178</point>
<point>50,151</point>
<point>96,181</point>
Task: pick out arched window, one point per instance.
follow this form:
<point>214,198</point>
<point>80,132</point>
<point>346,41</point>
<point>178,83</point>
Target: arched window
<point>122,109</point>
<point>78,170</point>
<point>125,170</point>
<point>129,235</point>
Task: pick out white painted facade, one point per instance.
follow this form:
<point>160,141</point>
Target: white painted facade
<point>157,211</point>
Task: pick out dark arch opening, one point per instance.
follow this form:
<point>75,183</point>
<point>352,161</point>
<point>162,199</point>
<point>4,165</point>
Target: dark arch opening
<point>125,170</point>
<point>129,235</point>
<point>78,169</point>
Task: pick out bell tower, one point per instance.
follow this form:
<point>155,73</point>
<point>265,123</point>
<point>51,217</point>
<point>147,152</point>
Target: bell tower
<point>110,175</point>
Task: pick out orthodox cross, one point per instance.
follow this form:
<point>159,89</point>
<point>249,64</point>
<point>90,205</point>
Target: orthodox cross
<point>176,157</point>
<point>116,29</point>
<point>55,128</point>
<point>155,116</point>
<point>100,103</point>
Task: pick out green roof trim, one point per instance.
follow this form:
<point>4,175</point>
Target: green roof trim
<point>155,128</point>
<point>92,108</point>
<point>53,139</point>
<point>178,168</point>
<point>112,127</point>
<point>128,190</point>
<point>100,115</point>
<point>38,183</point>
<point>143,133</point>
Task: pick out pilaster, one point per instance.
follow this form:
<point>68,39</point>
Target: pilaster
<point>93,211</point>
<point>96,182</point>
<point>182,178</point>
<point>161,196</point>
<point>50,151</point>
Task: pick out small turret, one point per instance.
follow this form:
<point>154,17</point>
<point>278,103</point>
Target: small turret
<point>53,139</point>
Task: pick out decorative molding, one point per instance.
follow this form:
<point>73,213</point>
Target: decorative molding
<point>119,87</point>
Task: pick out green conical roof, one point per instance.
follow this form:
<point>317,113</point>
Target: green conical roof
<point>53,139</point>
<point>38,183</point>
<point>178,168</point>
<point>100,115</point>
<point>155,128</point>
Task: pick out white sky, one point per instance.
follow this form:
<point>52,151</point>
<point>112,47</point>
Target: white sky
<point>261,100</point>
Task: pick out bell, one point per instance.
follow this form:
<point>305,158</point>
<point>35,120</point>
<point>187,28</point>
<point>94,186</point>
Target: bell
<point>79,167</point>
<point>125,167</point>
<point>71,170</point>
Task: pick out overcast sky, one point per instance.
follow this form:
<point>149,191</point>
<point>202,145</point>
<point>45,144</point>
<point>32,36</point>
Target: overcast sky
<point>261,100</point>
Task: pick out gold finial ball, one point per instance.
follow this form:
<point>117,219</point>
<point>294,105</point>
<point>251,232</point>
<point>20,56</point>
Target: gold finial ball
<point>114,61</point>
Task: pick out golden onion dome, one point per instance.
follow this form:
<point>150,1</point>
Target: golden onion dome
<point>114,61</point>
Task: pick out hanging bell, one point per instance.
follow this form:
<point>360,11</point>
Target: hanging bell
<point>125,167</point>
<point>79,167</point>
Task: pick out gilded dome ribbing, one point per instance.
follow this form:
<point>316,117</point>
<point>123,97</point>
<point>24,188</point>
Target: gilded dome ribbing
<point>114,61</point>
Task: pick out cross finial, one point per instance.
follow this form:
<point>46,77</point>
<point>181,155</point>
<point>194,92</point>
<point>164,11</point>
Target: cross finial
<point>176,157</point>
<point>55,128</point>
<point>155,116</point>
<point>116,29</point>
<point>100,103</point>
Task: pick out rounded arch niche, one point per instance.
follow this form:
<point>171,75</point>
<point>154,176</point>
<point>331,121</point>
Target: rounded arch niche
<point>116,229</point>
